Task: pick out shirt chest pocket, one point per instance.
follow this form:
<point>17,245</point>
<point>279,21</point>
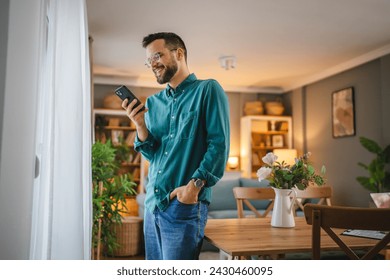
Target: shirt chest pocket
<point>187,124</point>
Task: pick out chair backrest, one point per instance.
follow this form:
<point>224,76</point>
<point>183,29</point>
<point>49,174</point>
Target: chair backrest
<point>244,195</point>
<point>329,217</point>
<point>324,194</point>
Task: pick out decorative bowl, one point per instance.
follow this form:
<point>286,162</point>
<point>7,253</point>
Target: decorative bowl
<point>253,108</point>
<point>112,101</point>
<point>274,108</point>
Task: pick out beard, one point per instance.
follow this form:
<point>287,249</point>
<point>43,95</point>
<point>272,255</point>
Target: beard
<point>169,72</point>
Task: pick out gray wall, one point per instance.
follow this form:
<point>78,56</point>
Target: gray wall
<point>313,131</point>
<point>385,97</point>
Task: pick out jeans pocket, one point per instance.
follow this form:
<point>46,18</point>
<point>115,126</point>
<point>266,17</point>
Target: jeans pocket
<point>181,211</point>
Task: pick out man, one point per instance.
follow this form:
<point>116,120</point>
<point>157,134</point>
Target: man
<point>184,134</point>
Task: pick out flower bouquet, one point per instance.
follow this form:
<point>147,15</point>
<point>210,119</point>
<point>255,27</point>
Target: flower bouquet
<point>283,176</point>
<point>284,179</point>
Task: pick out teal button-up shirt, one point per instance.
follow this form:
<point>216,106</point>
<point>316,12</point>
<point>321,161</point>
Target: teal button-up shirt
<point>189,137</point>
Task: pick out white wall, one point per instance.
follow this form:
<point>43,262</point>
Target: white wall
<point>4,7</point>
<point>17,145</point>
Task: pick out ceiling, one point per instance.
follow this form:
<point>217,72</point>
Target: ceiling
<point>279,44</point>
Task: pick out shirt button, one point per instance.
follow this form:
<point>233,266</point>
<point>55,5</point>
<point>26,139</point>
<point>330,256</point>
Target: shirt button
<point>156,190</point>
<point>166,153</point>
<point>171,136</point>
<point>159,172</point>
<point>173,117</point>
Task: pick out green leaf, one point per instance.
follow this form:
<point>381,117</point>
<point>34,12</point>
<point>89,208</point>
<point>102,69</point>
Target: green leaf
<point>115,189</point>
<point>386,154</point>
<point>363,165</point>
<point>365,182</point>
<point>310,169</point>
<point>370,145</point>
<point>300,186</point>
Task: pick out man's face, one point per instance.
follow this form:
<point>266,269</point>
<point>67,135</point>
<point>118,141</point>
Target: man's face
<point>162,61</point>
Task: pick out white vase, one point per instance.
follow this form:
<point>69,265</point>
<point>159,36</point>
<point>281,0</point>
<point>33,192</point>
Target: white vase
<point>283,211</point>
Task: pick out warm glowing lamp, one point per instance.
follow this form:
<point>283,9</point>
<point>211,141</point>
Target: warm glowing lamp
<point>286,155</point>
<point>233,163</point>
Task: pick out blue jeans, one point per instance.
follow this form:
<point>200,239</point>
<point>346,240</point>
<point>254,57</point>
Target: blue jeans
<point>176,233</point>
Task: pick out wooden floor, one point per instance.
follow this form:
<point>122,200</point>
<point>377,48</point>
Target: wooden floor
<point>203,256</point>
<point>139,257</point>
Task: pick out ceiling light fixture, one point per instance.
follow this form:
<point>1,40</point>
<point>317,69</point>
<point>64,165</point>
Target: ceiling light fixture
<point>228,61</point>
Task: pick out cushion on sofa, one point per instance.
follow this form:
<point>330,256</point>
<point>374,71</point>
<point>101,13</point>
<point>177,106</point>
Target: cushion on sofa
<point>223,214</point>
<point>222,197</point>
<point>246,182</point>
<point>254,183</point>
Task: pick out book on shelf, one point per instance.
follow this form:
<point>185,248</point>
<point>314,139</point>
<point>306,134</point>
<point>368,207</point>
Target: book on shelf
<point>113,121</point>
<point>283,126</point>
<point>259,126</point>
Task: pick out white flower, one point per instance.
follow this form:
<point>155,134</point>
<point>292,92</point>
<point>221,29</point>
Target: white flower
<point>269,159</point>
<point>263,173</point>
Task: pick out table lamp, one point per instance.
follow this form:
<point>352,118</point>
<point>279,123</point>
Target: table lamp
<point>232,163</point>
<point>286,155</point>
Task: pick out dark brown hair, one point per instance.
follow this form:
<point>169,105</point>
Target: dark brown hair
<point>172,41</point>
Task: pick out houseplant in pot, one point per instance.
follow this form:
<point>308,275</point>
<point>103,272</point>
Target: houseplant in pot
<point>378,169</point>
<point>108,197</point>
<point>284,178</point>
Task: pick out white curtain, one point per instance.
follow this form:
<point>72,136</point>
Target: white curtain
<point>61,214</point>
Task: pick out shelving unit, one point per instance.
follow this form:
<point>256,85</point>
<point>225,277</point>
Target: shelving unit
<point>260,135</point>
<point>114,125</point>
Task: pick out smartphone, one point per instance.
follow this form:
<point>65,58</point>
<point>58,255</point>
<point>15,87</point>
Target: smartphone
<point>123,92</point>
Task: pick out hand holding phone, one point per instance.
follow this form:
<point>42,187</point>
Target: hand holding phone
<point>123,92</point>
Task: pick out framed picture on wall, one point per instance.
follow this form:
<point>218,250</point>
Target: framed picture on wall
<point>343,113</point>
<point>277,141</point>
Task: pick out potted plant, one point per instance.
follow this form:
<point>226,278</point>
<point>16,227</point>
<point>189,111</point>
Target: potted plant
<point>284,178</point>
<point>108,197</point>
<point>122,152</point>
<point>379,177</point>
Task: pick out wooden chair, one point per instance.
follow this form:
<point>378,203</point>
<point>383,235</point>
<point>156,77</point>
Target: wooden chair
<point>244,195</point>
<point>324,194</point>
<point>329,217</point>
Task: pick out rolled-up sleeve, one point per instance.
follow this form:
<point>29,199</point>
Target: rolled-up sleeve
<point>147,148</point>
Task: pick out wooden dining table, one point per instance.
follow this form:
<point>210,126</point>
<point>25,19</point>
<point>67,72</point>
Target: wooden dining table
<point>249,237</point>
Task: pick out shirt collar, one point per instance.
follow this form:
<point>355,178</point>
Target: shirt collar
<point>181,87</point>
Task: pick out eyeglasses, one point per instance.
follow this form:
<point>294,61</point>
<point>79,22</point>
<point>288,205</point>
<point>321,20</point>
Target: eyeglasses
<point>155,58</point>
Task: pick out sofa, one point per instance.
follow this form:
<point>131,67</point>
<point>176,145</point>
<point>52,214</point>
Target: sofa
<point>223,204</point>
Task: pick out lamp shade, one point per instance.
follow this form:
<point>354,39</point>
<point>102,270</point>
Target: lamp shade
<point>232,162</point>
<point>286,155</point>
